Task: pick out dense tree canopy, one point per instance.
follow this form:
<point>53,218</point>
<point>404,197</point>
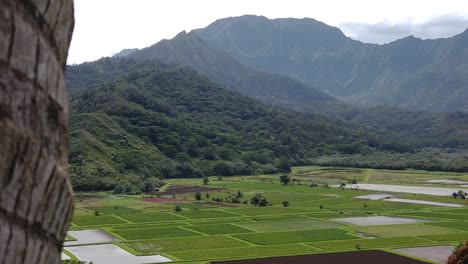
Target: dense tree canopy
<point>167,121</point>
<point>135,121</point>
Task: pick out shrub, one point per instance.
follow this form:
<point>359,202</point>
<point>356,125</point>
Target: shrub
<point>460,255</point>
<point>285,179</point>
<point>206,180</point>
<point>151,184</point>
<point>259,200</point>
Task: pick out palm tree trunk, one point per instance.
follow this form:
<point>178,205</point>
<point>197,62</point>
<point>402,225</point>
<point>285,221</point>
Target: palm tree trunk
<point>36,199</point>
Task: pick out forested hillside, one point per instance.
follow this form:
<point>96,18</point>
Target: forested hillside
<point>191,50</point>
<point>135,121</point>
<point>325,55</point>
<point>406,129</point>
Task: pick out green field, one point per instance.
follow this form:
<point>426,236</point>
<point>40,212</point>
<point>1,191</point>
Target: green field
<point>368,243</point>
<point>266,211</point>
<point>456,211</point>
<point>206,214</point>
<point>109,210</point>
<point>289,225</point>
<point>155,233</point>
<point>207,230</point>
<point>458,237</point>
<point>219,229</point>
<point>278,218</point>
<point>438,215</point>
<point>97,220</point>
<point>148,225</point>
<point>288,237</point>
<point>220,221</point>
<point>182,244</point>
<point>253,252</point>
<point>454,225</point>
<point>151,217</point>
<point>401,230</point>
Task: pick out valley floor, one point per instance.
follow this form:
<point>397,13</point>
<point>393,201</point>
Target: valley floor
<point>320,218</point>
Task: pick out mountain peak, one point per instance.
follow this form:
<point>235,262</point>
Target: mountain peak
<point>256,21</point>
<point>411,37</point>
<point>250,18</point>
<point>124,53</point>
<point>254,40</point>
<point>181,34</point>
<point>305,33</point>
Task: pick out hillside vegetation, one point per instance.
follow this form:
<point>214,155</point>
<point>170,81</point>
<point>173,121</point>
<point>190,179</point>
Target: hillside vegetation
<point>144,120</point>
<point>233,52</point>
<point>192,51</point>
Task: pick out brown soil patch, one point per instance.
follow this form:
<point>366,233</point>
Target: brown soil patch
<point>361,257</point>
<point>164,200</point>
<point>178,189</point>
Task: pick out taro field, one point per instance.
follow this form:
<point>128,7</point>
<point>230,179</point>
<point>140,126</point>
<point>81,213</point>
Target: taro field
<point>309,215</point>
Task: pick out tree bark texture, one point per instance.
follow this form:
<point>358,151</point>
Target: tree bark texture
<point>36,199</point>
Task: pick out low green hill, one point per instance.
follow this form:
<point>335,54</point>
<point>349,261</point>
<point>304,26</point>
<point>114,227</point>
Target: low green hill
<point>152,120</point>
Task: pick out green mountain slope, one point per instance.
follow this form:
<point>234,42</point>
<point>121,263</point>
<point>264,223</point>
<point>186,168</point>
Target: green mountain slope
<point>190,50</point>
<point>104,155</point>
<point>142,120</point>
<point>134,122</point>
<point>327,53</point>
<point>403,127</point>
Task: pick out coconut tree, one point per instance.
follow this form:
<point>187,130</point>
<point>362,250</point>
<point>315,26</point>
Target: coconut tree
<point>36,199</point>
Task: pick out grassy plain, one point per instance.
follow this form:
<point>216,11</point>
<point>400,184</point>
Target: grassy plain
<point>207,230</point>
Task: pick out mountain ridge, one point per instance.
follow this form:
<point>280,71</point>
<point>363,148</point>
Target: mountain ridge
<point>184,46</point>
<point>355,72</point>
<point>186,108</point>
<point>191,50</point>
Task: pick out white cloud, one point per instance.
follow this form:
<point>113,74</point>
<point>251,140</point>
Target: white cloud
<point>386,31</point>
<point>104,27</point>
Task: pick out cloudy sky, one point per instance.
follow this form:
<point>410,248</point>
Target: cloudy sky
<point>104,27</point>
